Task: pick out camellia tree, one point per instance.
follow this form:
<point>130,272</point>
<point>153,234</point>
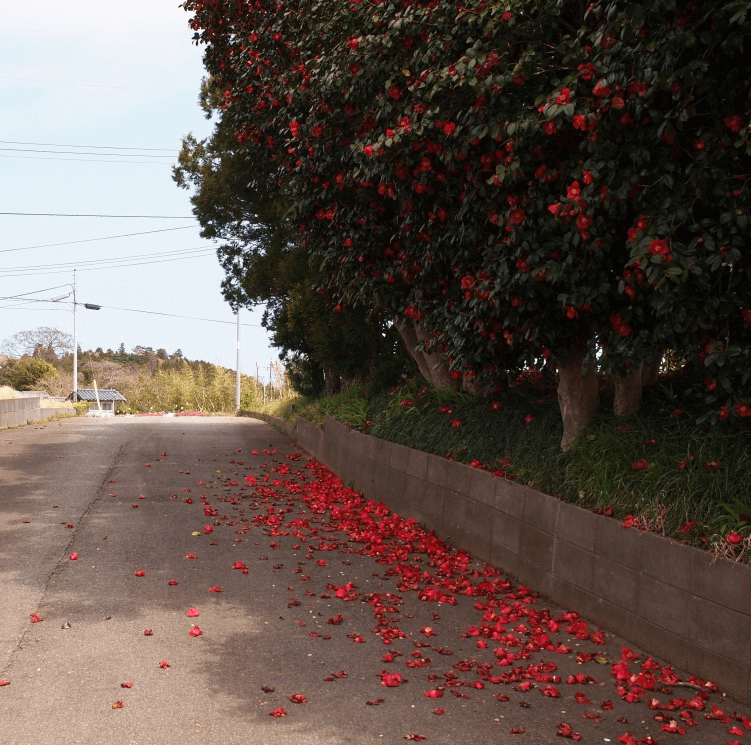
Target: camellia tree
<point>513,182</point>
<point>240,203</point>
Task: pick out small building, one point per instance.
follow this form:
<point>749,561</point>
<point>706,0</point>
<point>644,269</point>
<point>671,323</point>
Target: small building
<point>108,398</point>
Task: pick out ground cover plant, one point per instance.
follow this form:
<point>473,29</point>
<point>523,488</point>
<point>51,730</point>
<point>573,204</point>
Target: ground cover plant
<point>661,469</point>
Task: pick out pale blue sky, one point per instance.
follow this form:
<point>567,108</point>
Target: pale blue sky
<point>100,74</point>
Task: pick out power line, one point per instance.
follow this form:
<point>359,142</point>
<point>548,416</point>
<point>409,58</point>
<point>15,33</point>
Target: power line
<point>93,147</point>
<point>113,262</point>
<point>33,292</point>
<point>64,152</point>
<point>173,315</point>
<point>67,268</point>
<point>61,214</point>
<point>90,160</point>
<point>88,85</point>
<point>148,312</point>
<point>91,240</point>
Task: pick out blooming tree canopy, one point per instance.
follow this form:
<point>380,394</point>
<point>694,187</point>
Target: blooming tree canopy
<point>511,182</point>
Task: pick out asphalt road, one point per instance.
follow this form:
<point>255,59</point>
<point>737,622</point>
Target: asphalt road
<point>125,495</point>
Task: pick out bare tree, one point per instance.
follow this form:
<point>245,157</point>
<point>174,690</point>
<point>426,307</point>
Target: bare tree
<point>45,342</point>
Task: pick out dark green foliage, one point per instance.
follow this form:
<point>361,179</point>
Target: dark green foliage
<point>23,374</point>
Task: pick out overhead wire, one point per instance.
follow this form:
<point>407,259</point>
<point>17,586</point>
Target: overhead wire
<point>136,310</point>
<point>91,240</point>
<point>70,214</point>
<point>65,152</point>
<point>114,263</point>
<point>93,147</point>
<point>89,160</point>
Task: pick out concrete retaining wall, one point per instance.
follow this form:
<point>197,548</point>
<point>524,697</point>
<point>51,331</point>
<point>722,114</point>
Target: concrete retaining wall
<point>15,411</point>
<point>666,597</point>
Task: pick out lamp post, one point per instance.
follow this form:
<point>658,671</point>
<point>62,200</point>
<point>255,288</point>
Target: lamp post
<point>89,306</point>
<point>237,371</point>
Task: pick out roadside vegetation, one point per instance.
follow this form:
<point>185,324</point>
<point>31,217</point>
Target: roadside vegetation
<point>151,380</point>
<point>657,470</point>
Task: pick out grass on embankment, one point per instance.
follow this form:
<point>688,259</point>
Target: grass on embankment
<point>673,476</point>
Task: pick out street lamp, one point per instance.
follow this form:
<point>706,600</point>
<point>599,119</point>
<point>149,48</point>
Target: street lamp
<point>89,306</point>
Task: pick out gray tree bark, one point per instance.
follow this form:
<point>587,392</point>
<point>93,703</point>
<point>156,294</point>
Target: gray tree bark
<point>578,391</point>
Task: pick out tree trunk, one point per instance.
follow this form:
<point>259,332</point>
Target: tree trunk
<point>650,371</point>
<point>409,337</point>
<point>430,364</point>
<point>439,372</point>
<point>629,388</point>
<point>578,391</point>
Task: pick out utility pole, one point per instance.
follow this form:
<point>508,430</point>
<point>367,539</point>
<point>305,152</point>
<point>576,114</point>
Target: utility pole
<point>237,372</point>
<point>75,345</point>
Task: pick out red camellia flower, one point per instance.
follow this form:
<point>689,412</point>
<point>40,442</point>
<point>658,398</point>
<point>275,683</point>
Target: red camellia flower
<point>139,573</point>
<point>127,684</point>
<point>640,465</point>
<point>733,123</point>
<point>601,89</point>
<point>723,414</point>
<point>195,631</point>
<point>549,127</point>
<point>743,409</point>
<point>148,632</point>
<point>164,664</point>
<point>517,217</point>
<point>449,128</point>
<point>192,612</point>
<point>619,325</point>
<point>734,538</point>
<point>298,698</point>
<point>74,556</point>
<point>278,712</point>
<point>353,44</point>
